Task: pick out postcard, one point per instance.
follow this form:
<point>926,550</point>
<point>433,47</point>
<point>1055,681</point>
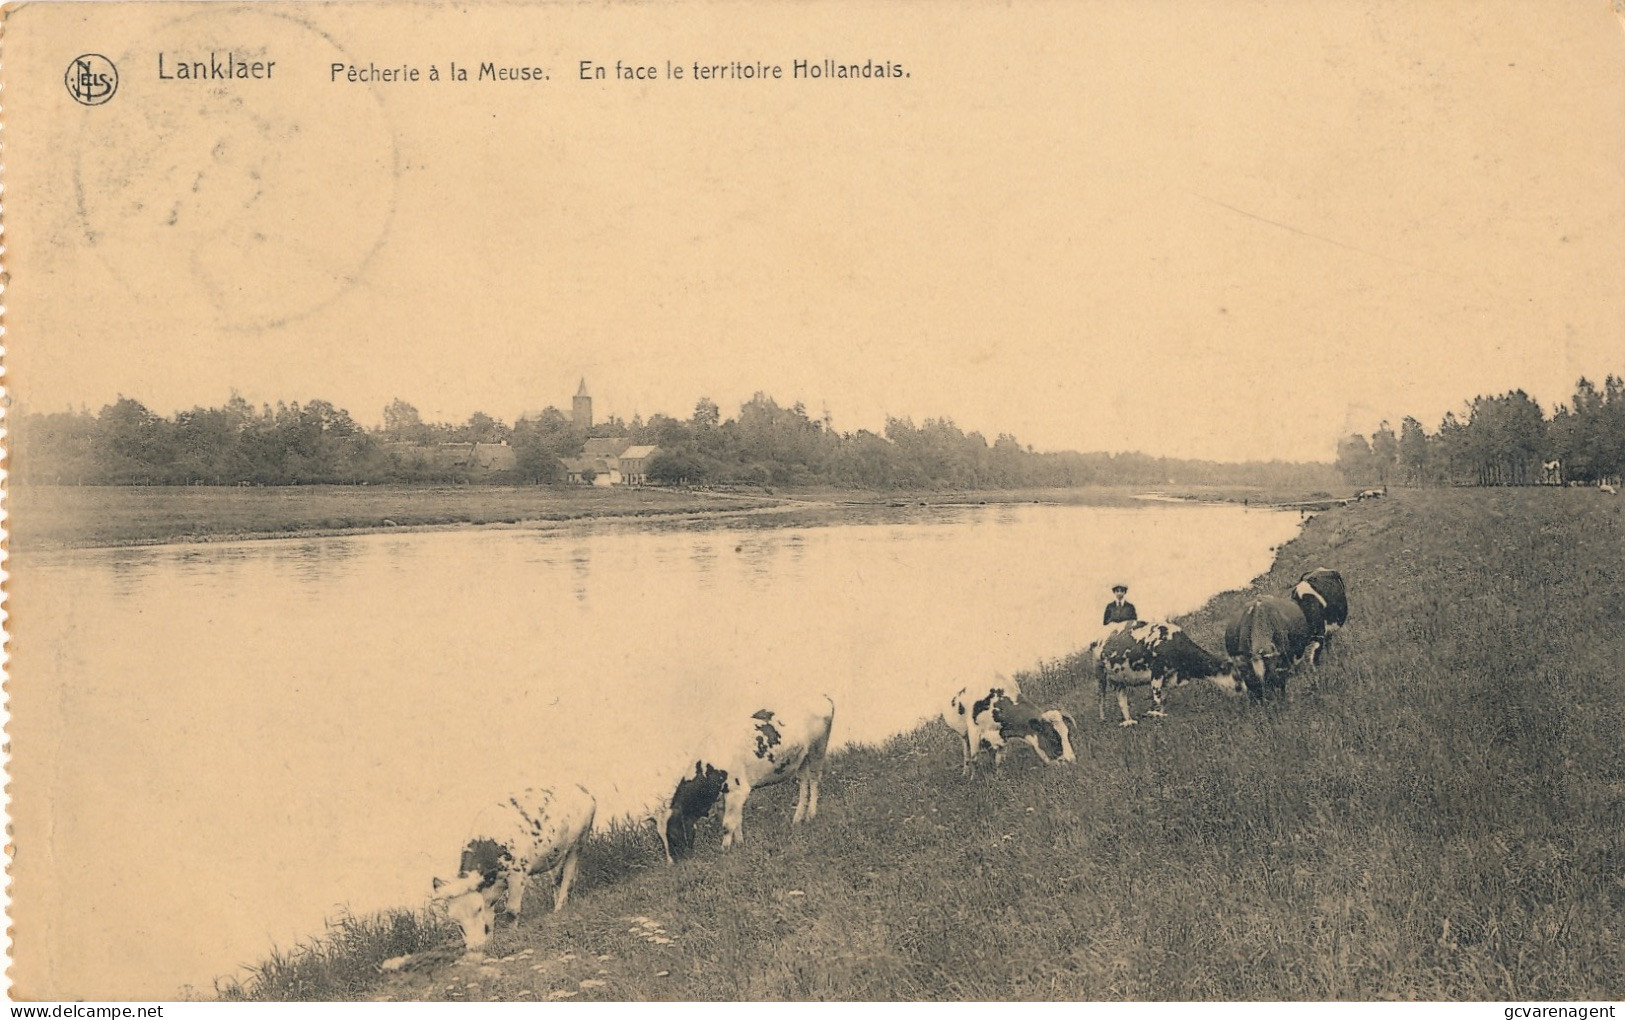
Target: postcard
<point>840,500</point>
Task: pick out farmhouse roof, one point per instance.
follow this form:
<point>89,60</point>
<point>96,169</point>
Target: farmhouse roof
<point>638,452</point>
<point>610,447</point>
<point>596,464</point>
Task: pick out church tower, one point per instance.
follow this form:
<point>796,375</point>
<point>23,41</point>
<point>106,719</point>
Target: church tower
<point>581,408</point>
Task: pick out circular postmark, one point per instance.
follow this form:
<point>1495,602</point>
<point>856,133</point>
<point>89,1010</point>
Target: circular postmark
<point>91,79</point>
<point>240,203</point>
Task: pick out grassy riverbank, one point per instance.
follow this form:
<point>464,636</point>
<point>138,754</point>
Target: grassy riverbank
<point>1439,813</point>
<point>46,517</point>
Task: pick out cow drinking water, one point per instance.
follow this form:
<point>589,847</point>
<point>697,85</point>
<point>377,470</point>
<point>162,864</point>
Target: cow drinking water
<point>533,831</point>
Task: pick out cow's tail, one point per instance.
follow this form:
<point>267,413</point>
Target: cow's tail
<point>819,746</point>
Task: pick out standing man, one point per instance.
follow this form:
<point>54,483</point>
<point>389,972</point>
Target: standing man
<point>1119,609</point>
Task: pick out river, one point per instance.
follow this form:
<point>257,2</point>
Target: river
<point>218,746</point>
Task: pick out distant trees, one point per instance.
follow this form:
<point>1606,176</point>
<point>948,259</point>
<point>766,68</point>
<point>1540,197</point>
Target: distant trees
<point>540,442</point>
<point>126,444</point>
<point>1500,440</point>
<point>1413,451</point>
<point>1588,435</point>
<point>766,443</point>
<point>1505,439</point>
<point>706,414</point>
<point>1369,463</point>
<point>1354,460</point>
<point>675,467</point>
<point>1384,453</point>
<point>402,423</point>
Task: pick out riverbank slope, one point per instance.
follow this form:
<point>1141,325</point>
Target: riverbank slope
<point>1437,814</point>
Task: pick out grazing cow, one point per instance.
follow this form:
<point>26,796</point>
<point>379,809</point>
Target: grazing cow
<point>1265,641</point>
<point>989,718</point>
<point>1604,486</point>
<point>1324,601</point>
<point>533,831</point>
<point>1155,653</point>
<point>1371,494</point>
<point>772,747</point>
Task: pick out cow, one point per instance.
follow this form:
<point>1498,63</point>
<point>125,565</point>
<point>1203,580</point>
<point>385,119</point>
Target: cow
<point>1156,653</point>
<point>533,831</point>
<point>1265,641</point>
<point>1371,494</point>
<point>1605,487</point>
<point>1099,639</point>
<point>990,718</point>
<point>1324,602</point>
<point>769,748</point>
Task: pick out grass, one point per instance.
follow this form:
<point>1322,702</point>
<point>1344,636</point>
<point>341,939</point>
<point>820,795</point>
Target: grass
<point>1438,813</point>
<point>49,516</point>
<point>79,516</point>
<point>344,961</point>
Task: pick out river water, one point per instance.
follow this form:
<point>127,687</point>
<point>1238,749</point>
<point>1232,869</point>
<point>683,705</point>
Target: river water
<point>218,746</point>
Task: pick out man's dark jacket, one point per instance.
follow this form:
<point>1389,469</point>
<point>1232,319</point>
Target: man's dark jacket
<point>1119,613</point>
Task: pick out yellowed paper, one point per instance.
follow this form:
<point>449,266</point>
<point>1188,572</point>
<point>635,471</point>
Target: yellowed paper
<point>1212,231</point>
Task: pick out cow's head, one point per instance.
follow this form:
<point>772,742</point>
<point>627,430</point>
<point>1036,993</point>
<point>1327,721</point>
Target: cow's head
<point>1228,679</point>
<point>1306,592</point>
<point>1251,671</point>
<point>468,901</point>
<point>694,797</point>
<point>1052,736</point>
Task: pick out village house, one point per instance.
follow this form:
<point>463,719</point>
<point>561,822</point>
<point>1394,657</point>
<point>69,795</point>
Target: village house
<point>475,457</point>
<point>635,463</point>
<point>610,461</point>
<point>605,460</point>
<point>592,470</point>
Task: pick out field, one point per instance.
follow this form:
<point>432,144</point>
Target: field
<point>89,516</point>
<point>76,516</point>
<point>1437,814</point>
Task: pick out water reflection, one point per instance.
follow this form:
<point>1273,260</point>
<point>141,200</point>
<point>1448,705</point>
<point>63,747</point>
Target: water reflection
<point>298,724</point>
<point>128,569</point>
<point>580,570</point>
<point>703,556</point>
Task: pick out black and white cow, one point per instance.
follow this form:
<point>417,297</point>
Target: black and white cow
<point>1371,494</point>
<point>772,746</point>
<point>1324,601</point>
<point>990,718</point>
<point>1158,654</point>
<point>1265,641</point>
<point>533,831</point>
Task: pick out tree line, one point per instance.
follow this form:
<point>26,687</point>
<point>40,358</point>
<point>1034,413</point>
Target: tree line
<point>765,444</point>
<point>1499,440</point>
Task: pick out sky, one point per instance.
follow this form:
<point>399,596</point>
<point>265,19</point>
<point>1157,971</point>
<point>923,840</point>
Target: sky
<point>1215,230</point>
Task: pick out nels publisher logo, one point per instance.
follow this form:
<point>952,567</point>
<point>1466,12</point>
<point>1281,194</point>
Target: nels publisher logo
<point>92,79</point>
